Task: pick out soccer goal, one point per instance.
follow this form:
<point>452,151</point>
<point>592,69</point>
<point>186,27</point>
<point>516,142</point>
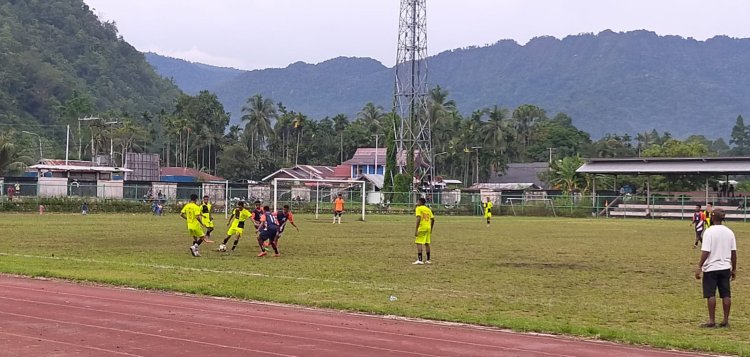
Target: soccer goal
<point>548,204</point>
<point>309,194</point>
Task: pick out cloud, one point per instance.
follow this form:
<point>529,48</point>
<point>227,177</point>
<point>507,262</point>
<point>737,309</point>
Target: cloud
<point>194,54</point>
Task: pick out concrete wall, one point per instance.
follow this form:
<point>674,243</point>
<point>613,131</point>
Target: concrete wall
<point>52,186</point>
<point>109,189</point>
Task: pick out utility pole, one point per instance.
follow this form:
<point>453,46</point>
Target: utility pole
<point>376,151</point>
<point>80,138</point>
<point>111,144</point>
<point>41,156</point>
<point>476,149</point>
<point>67,143</point>
<point>550,155</point>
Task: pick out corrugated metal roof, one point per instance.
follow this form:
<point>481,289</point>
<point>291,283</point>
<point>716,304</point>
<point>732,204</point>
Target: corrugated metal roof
<point>189,172</point>
<point>376,180</point>
<point>75,168</point>
<point>674,166</point>
<point>522,173</point>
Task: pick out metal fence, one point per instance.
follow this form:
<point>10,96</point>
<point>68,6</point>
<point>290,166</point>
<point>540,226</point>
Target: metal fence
<point>27,195</point>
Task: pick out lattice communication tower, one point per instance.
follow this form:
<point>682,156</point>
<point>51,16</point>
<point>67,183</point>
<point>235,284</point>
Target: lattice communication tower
<point>413,133</point>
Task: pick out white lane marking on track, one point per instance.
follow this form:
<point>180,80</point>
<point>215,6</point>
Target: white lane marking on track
<point>235,328</point>
<point>336,326</point>
<point>36,338</point>
<point>241,273</point>
<point>144,334</point>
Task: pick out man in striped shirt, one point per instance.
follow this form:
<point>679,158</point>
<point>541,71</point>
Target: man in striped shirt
<point>699,223</point>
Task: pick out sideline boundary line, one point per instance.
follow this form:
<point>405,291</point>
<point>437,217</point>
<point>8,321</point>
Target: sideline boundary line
<point>234,272</point>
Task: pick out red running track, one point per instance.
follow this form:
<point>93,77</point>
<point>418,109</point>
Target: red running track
<point>57,318</point>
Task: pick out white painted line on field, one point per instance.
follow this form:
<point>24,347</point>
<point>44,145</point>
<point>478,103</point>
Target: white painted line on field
<point>234,272</point>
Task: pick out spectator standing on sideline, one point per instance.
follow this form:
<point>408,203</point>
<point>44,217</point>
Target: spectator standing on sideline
<point>85,208</point>
<point>11,191</point>
<point>718,264</point>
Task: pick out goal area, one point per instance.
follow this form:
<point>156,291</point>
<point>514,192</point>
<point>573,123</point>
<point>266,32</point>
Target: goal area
<point>317,195</point>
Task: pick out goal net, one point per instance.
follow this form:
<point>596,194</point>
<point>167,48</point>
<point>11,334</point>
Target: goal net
<point>317,196</point>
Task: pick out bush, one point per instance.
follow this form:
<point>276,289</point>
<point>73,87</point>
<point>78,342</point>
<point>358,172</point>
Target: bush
<point>73,205</point>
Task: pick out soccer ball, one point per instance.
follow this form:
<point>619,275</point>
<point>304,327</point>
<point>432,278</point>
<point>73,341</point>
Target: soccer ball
<point>222,248</point>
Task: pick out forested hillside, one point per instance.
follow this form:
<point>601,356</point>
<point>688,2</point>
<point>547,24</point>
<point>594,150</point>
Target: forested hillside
<point>607,82</point>
<point>191,77</point>
<point>59,62</point>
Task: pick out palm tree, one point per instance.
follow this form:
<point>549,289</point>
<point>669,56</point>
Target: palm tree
<point>372,116</point>
<point>442,113</point>
<point>299,125</point>
<point>525,117</point>
<point>498,135</point>
<point>258,114</point>
<point>10,161</point>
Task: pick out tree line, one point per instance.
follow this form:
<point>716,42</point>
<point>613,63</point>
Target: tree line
<point>197,133</point>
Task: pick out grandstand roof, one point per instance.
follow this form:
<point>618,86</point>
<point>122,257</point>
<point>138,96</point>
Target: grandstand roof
<point>668,166</point>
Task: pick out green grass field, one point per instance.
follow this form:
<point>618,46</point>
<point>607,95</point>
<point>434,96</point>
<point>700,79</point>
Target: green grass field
<point>620,280</point>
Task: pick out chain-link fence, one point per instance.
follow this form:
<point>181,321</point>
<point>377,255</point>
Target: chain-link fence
<point>28,194</point>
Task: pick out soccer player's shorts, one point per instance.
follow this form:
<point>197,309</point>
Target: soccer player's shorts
<point>235,230</point>
<point>208,224</point>
<point>267,234</point>
<point>338,213</point>
<point>196,232</point>
<point>488,215</point>
<point>423,237</point>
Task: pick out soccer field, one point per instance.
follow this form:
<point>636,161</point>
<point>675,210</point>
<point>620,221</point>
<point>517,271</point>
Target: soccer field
<point>620,280</point>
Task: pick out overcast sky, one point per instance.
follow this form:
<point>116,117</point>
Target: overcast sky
<point>252,34</point>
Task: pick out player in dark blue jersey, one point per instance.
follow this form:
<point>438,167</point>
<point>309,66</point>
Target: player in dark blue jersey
<point>267,231</point>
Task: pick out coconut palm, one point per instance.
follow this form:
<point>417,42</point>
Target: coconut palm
<point>10,161</point>
<point>259,112</point>
<point>498,136</point>
<point>373,117</point>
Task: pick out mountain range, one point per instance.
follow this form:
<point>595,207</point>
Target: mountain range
<point>609,82</point>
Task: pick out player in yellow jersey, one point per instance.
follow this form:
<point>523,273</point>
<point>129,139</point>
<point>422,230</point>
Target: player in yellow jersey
<point>423,230</point>
<point>236,226</point>
<point>488,210</point>
<point>208,218</point>
<point>192,213</point>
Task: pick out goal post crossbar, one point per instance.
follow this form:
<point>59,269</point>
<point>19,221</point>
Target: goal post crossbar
<point>349,182</point>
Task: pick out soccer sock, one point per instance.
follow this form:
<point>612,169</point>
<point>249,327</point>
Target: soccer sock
<point>198,243</point>
<point>275,249</point>
<point>419,256</point>
<point>428,255</point>
<point>208,232</point>
<point>234,245</point>
<point>226,240</point>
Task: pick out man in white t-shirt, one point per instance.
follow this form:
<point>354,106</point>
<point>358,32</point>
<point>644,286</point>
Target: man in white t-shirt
<point>719,265</point>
